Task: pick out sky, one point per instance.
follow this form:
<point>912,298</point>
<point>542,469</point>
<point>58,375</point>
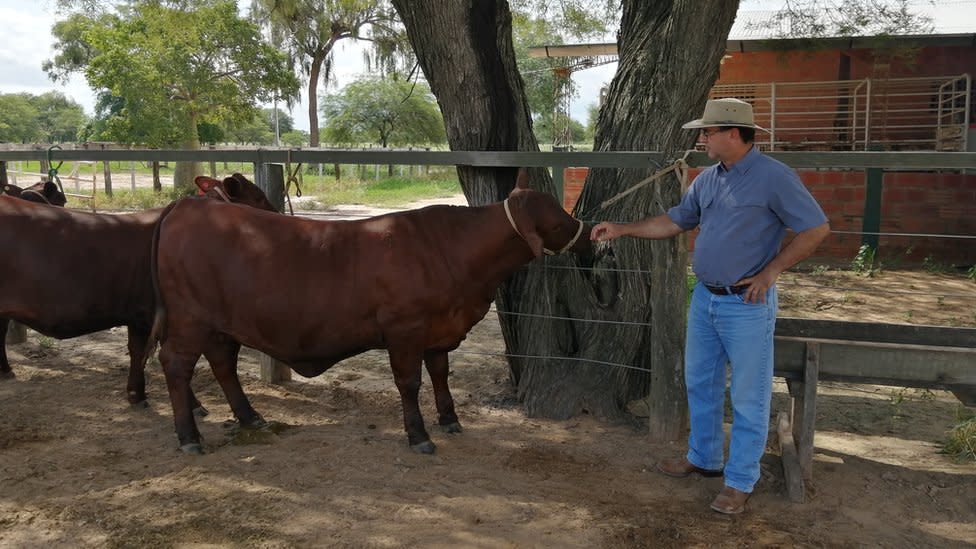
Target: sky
<point>27,43</point>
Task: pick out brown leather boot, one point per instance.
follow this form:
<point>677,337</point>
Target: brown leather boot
<point>730,501</point>
<point>681,467</point>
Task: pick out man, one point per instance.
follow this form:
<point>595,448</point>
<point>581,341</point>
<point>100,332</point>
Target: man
<point>742,206</point>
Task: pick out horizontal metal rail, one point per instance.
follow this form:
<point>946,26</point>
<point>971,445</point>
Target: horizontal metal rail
<point>889,160</point>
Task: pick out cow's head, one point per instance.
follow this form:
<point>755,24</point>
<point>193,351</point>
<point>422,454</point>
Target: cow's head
<point>542,222</point>
<point>44,192</point>
<point>236,189</point>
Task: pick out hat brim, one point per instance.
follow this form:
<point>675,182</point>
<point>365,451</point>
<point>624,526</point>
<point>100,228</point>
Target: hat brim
<point>701,123</point>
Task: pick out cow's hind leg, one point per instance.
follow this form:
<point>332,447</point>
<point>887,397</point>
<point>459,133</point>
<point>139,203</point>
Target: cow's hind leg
<point>223,361</point>
<point>178,369</point>
<point>136,385</point>
<point>437,368</point>
<point>406,374</point>
<point>5,371</point>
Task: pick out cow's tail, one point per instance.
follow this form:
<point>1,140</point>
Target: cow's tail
<point>158,330</point>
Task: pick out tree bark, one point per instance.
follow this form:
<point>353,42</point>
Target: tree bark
<point>314,73</point>
<point>669,59</point>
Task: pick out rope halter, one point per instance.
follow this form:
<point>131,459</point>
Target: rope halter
<point>579,231</point>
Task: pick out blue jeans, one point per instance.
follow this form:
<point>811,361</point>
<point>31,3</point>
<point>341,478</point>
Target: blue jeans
<point>725,329</point>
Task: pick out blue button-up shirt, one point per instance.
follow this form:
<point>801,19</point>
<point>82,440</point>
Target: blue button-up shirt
<point>743,213</point>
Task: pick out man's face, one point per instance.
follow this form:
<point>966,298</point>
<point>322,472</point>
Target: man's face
<point>717,142</point>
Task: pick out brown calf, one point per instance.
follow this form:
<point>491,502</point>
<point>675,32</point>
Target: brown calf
<point>311,293</point>
<point>69,273</point>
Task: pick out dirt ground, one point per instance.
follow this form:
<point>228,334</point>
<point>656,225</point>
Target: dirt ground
<point>79,468</point>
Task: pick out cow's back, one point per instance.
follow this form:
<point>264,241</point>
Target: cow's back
<point>303,289</point>
<point>69,273</point>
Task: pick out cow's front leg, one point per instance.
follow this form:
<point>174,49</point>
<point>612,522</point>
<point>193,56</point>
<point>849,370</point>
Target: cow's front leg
<point>223,362</point>
<point>178,369</point>
<point>437,368</point>
<point>5,371</point>
<point>406,373</point>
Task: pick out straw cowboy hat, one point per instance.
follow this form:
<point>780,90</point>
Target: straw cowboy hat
<point>725,112</point>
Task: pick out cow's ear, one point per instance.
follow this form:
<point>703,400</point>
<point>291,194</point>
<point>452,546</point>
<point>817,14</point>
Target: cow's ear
<point>50,187</point>
<point>205,183</point>
<point>522,179</point>
<point>232,186</point>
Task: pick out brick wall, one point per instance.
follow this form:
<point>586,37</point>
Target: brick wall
<point>911,202</point>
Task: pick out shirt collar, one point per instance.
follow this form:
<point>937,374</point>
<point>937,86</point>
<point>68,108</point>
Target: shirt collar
<point>744,164</point>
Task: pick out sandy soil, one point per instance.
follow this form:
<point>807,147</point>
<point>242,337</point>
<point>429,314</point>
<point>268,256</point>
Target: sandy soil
<point>79,468</point>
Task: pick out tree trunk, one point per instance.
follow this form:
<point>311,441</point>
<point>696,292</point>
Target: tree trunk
<point>107,173</point>
<point>157,183</point>
<point>185,170</point>
<point>669,59</point>
<point>315,71</point>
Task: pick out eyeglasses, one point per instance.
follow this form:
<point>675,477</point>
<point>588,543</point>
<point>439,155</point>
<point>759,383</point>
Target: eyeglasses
<point>706,134</point>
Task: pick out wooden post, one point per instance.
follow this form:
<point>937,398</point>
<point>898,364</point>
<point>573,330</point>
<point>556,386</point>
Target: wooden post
<point>271,179</point>
<point>791,466</point>
<point>213,164</point>
<point>3,174</point>
<point>803,430</point>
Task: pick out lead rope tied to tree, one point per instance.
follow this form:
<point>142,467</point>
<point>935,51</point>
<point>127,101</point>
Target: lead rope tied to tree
<point>52,172</point>
<point>679,167</point>
<point>292,177</point>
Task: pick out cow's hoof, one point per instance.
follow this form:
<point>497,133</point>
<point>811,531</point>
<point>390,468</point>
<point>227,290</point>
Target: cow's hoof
<point>425,447</point>
<point>452,428</point>
<point>200,411</point>
<point>193,449</point>
<point>139,405</point>
<point>7,374</point>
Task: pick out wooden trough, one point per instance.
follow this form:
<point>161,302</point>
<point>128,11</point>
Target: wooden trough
<point>808,351</point>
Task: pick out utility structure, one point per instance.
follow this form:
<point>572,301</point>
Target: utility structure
<point>573,58</point>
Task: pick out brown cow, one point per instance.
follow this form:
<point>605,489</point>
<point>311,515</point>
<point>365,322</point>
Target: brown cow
<point>312,293</point>
<point>46,192</point>
<point>70,273</point>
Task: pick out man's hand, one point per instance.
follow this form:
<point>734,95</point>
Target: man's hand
<point>606,231</point>
<point>757,286</point>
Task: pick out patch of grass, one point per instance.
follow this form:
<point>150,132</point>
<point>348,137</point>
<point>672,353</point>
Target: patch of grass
<point>864,261</point>
<point>971,274</point>
<point>934,266</point>
<point>819,270</point>
<point>387,191</point>
<point>961,441</point>
<point>127,199</point>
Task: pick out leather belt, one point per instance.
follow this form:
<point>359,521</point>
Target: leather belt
<point>725,290</point>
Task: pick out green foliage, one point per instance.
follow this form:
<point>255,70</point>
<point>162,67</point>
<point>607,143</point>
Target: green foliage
<point>164,68</point>
<point>961,441</point>
<point>309,30</point>
<point>50,118</point>
<point>539,23</point>
<point>820,18</point>
<point>17,124</point>
<point>971,274</point>
<point>933,265</point>
<point>383,111</point>
<point>127,199</point>
<point>864,261</point>
<point>294,138</point>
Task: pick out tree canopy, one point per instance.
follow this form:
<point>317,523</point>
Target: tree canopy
<point>50,117</point>
<point>385,111</point>
<point>310,29</point>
